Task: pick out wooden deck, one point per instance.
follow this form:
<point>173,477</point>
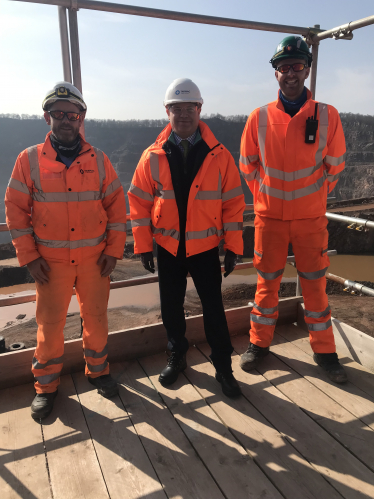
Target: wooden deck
<point>292,435</point>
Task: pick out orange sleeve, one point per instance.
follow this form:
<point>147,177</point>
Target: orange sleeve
<point>334,160</point>
<point>249,161</point>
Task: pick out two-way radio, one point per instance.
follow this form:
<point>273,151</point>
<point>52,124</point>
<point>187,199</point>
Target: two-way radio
<point>311,128</point>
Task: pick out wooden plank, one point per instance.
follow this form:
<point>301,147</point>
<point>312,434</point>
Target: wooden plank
<point>178,467</point>
<point>231,467</point>
<point>359,375</point>
<point>269,449</point>
<point>349,340</point>
<point>127,470</point>
<point>74,470</point>
<point>23,470</point>
<point>272,394</point>
<point>15,367</point>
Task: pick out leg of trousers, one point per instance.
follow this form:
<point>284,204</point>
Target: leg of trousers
<point>52,302</point>
<point>310,241</point>
<point>270,256</point>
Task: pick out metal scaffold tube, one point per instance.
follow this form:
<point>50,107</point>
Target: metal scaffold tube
<point>74,44</point>
<point>343,31</point>
<point>351,285</point>
<point>64,37</point>
<point>313,69</point>
<point>352,220</point>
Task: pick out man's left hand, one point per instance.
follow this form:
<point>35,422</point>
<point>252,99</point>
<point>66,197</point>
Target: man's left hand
<point>230,262</point>
<point>108,263</point>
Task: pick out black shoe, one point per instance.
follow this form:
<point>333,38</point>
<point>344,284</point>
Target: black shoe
<point>105,385</point>
<point>176,364</point>
<point>330,363</point>
<point>229,384</point>
<point>42,405</point>
<point>251,358</point>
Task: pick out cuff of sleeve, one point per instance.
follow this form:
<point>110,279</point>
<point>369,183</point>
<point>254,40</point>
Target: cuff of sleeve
<point>28,257</point>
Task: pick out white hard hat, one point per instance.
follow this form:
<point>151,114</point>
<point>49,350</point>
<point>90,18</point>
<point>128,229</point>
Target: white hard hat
<point>182,90</point>
<point>64,90</point>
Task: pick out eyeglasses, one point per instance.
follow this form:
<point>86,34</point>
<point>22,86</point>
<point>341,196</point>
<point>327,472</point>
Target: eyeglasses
<point>297,67</point>
<point>59,115</point>
<point>178,110</point>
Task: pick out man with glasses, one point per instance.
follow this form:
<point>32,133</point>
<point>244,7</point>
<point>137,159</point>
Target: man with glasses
<point>66,212</point>
<point>186,193</point>
<point>292,153</point>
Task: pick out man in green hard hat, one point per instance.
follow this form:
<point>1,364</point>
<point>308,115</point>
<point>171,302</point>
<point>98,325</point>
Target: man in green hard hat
<point>292,153</point>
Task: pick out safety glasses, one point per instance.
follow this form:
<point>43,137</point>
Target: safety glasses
<point>179,110</point>
<point>59,115</point>
<point>297,67</point>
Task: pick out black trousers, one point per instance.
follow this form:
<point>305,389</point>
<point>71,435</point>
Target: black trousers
<point>205,270</point>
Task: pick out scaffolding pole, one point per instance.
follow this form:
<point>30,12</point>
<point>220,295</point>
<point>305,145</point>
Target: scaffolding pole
<point>75,55</point>
<point>64,38</point>
<point>313,69</point>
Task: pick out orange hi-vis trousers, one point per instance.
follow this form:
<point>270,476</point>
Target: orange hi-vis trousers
<point>309,239</point>
<point>52,303</point>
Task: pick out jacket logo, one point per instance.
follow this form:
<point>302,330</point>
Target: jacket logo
<point>89,171</point>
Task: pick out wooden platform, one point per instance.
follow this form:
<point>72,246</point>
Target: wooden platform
<point>292,435</point>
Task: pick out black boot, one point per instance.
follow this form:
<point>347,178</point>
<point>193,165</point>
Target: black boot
<point>105,384</point>
<point>251,358</point>
<point>42,405</point>
<point>230,386</point>
<point>330,363</point>
<point>176,364</point>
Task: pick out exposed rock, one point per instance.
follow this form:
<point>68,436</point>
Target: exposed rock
<point>7,250</point>
<point>10,276</point>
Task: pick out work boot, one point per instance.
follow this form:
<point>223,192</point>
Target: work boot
<point>176,364</point>
<point>230,386</point>
<point>105,384</point>
<point>251,358</point>
<point>330,363</point>
<point>42,405</point>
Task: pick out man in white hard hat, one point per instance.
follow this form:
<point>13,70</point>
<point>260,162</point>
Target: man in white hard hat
<point>66,212</point>
<point>186,193</point>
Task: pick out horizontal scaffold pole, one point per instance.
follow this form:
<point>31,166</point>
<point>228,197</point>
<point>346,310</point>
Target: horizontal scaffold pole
<point>343,30</point>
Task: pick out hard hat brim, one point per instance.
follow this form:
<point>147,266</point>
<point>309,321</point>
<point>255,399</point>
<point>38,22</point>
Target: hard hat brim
<point>178,101</point>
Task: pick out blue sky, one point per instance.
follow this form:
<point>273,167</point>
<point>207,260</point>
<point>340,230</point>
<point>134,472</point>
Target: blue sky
<point>128,61</point>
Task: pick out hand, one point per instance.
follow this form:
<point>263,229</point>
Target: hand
<point>38,269</point>
<point>230,262</point>
<point>147,261</point>
<point>109,262</point>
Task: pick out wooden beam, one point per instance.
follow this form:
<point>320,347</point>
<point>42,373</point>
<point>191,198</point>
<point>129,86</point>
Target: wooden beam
<point>15,367</point>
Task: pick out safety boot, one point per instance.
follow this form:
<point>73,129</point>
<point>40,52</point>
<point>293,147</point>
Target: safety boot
<point>330,363</point>
<point>42,405</point>
<point>230,386</point>
<point>176,364</point>
<point>105,384</point>
<point>252,357</point>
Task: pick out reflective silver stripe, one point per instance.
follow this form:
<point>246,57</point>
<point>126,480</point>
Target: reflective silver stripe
<point>249,159</point>
<point>19,186</point>
<point>262,128</point>
<point>322,128</point>
<point>47,378</point>
<point>296,194</point>
<point>34,166</point>
<point>140,222</point>
<point>165,194</point>
<point>113,186</point>
<point>21,232</point>
<point>100,166</point>
<point>317,315</point>
<point>155,172</point>
<point>291,176</point>
<point>321,326</point>
<point>138,192</point>
<point>325,251</point>
<point>311,276</point>
<point>269,276</point>
<point>232,226</point>
<point>334,161</point>
<point>95,355</point>
<point>166,232</point>
<point>120,227</point>
<point>258,253</point>
<point>331,178</point>
<point>232,193</point>
<point>97,369</point>
<point>263,320</point>
<point>211,195</point>
<point>65,197</point>
<point>37,365</point>
<point>80,243</point>
<point>202,234</point>
<point>271,310</point>
<point>250,176</point>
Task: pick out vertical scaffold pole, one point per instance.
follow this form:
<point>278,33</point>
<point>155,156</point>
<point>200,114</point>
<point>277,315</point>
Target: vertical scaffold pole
<point>64,37</point>
<point>313,71</point>
<point>74,47</point>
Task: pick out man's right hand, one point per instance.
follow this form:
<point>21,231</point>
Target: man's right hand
<point>147,261</point>
<point>38,269</point>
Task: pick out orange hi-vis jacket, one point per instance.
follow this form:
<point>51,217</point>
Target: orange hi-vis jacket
<point>215,204</point>
<point>65,215</point>
<point>288,178</point>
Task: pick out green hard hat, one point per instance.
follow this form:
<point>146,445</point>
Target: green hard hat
<point>291,47</point>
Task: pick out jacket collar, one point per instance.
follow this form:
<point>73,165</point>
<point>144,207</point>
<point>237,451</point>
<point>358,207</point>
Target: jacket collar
<point>279,103</point>
<point>48,154</point>
<point>206,135</point>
